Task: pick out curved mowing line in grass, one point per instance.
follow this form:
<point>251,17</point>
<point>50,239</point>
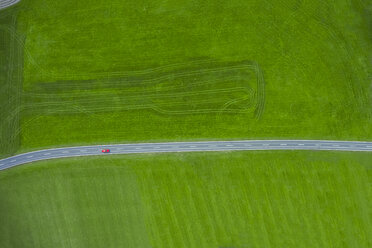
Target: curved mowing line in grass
<point>258,96</point>
<point>338,39</point>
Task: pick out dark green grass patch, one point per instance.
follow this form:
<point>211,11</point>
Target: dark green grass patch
<point>231,199</point>
<point>11,70</point>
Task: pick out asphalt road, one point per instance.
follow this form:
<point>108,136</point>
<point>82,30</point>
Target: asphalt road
<point>7,3</point>
<point>244,145</point>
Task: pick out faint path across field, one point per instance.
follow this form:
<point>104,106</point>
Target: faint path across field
<point>7,3</point>
<point>202,146</point>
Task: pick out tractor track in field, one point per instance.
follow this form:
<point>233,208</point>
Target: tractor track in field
<point>200,146</point>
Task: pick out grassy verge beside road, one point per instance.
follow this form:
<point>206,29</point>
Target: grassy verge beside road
<point>230,199</point>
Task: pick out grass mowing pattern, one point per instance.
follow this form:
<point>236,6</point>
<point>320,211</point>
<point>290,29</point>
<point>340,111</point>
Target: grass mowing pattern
<point>236,199</point>
<point>203,88</point>
<point>314,55</point>
<point>11,69</point>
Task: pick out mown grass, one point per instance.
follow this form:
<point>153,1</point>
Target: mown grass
<point>313,55</point>
<point>11,69</point>
<point>230,199</point>
<point>207,88</point>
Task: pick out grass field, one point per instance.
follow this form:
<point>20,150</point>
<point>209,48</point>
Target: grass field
<point>11,69</point>
<point>116,71</point>
<point>123,71</point>
<point>236,199</point>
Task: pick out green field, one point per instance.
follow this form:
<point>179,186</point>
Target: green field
<point>236,199</point>
<point>11,69</point>
<point>123,71</point>
<point>116,71</point>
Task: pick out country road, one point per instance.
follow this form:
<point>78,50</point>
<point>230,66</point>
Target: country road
<point>7,3</point>
<point>242,145</point>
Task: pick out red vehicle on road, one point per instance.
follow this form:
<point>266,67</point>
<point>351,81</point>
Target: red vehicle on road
<point>106,150</point>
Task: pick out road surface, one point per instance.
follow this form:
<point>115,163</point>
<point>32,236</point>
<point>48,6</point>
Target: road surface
<point>7,3</point>
<point>242,145</point>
